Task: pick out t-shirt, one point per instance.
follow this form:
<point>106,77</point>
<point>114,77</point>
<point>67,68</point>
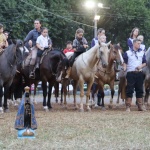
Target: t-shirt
<point>43,41</point>
<point>68,50</point>
<point>2,38</point>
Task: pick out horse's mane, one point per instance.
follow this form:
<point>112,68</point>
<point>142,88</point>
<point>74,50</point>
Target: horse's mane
<point>9,49</point>
<point>116,46</point>
<point>58,50</point>
<point>148,57</point>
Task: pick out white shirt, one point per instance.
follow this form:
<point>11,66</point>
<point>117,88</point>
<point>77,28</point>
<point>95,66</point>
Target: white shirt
<point>43,41</point>
<point>134,59</point>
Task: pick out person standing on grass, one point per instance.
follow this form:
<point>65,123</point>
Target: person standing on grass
<point>134,61</point>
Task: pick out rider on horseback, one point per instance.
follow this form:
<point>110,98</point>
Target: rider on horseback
<point>33,35</point>
<point>43,42</point>
<point>79,45</point>
<point>3,40</point>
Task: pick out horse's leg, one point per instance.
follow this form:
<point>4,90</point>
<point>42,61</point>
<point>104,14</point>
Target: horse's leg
<point>1,95</point>
<point>35,86</point>
<point>119,91</point>
<point>64,85</point>
<point>56,91</point>
<point>81,84</point>
<point>99,98</point>
<point>44,87</point>
<point>6,89</point>
<point>49,95</point>
<point>89,85</point>
<point>112,94</point>
<point>146,96</point>
<point>102,95</point>
<point>61,97</point>
<point>75,84</point>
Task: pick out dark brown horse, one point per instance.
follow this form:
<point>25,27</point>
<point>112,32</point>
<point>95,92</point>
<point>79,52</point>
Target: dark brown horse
<point>107,75</point>
<point>146,73</point>
<point>22,79</point>
<point>48,72</point>
<point>8,65</point>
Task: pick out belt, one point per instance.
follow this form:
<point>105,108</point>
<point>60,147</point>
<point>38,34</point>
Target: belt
<point>134,71</point>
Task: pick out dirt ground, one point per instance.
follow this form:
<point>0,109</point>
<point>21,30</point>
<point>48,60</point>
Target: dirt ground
<point>70,129</point>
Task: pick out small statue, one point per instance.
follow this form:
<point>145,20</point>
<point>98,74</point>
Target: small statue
<point>25,120</point>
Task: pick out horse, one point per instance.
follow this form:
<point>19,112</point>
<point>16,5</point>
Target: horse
<point>22,79</point>
<point>8,66</point>
<point>84,69</point>
<point>49,73</point>
<point>146,72</point>
<point>107,75</point>
<point>121,87</point>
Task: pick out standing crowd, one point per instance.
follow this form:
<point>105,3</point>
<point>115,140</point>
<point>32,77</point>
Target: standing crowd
<point>134,58</point>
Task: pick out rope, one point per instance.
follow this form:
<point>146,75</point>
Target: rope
<point>59,16</point>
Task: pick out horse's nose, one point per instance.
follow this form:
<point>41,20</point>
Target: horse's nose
<point>104,65</point>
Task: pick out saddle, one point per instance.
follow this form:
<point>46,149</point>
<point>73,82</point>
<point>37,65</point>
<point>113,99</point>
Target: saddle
<point>44,54</point>
<point>70,54</point>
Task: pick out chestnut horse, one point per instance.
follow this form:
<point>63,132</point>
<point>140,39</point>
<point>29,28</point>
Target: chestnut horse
<point>84,69</point>
<point>107,75</point>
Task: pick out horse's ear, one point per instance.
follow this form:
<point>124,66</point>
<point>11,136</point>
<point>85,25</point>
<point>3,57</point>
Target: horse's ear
<point>99,43</point>
<point>118,44</point>
<point>14,41</point>
<point>108,43</point>
<point>111,45</point>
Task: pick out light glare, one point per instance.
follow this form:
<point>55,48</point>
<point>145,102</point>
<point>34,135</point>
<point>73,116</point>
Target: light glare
<point>96,17</point>
<point>90,4</point>
<point>100,5</point>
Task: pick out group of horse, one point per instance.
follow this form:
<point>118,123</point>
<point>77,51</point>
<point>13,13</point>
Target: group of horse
<point>98,61</point>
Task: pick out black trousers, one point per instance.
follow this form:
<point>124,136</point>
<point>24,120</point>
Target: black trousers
<point>134,82</point>
<point>76,54</point>
<point>39,53</point>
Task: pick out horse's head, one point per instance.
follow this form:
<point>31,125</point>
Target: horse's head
<point>116,53</point>
<point>62,68</point>
<point>103,53</point>
<point>21,50</point>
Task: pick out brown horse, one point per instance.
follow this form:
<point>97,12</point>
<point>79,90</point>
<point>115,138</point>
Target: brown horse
<point>107,75</point>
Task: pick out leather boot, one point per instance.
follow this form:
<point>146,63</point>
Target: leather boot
<point>140,104</point>
<point>31,71</point>
<point>38,62</point>
<point>68,72</point>
<point>128,104</point>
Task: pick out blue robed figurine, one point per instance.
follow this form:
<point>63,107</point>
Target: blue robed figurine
<point>25,120</point>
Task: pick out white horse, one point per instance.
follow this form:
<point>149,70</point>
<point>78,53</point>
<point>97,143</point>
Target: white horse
<point>84,69</point>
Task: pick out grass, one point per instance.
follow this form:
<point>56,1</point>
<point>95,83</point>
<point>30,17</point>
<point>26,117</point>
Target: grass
<point>70,129</point>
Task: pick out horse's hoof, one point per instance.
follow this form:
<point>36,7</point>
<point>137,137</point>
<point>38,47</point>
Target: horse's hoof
<point>103,109</point>
<point>88,109</point>
<point>96,106</point>
<point>1,111</point>
<point>117,106</point>
<point>76,107</point>
<point>81,110</point>
<point>6,110</point>
<point>65,107</point>
<point>45,108</point>
<point>110,106</point>
<point>35,102</point>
